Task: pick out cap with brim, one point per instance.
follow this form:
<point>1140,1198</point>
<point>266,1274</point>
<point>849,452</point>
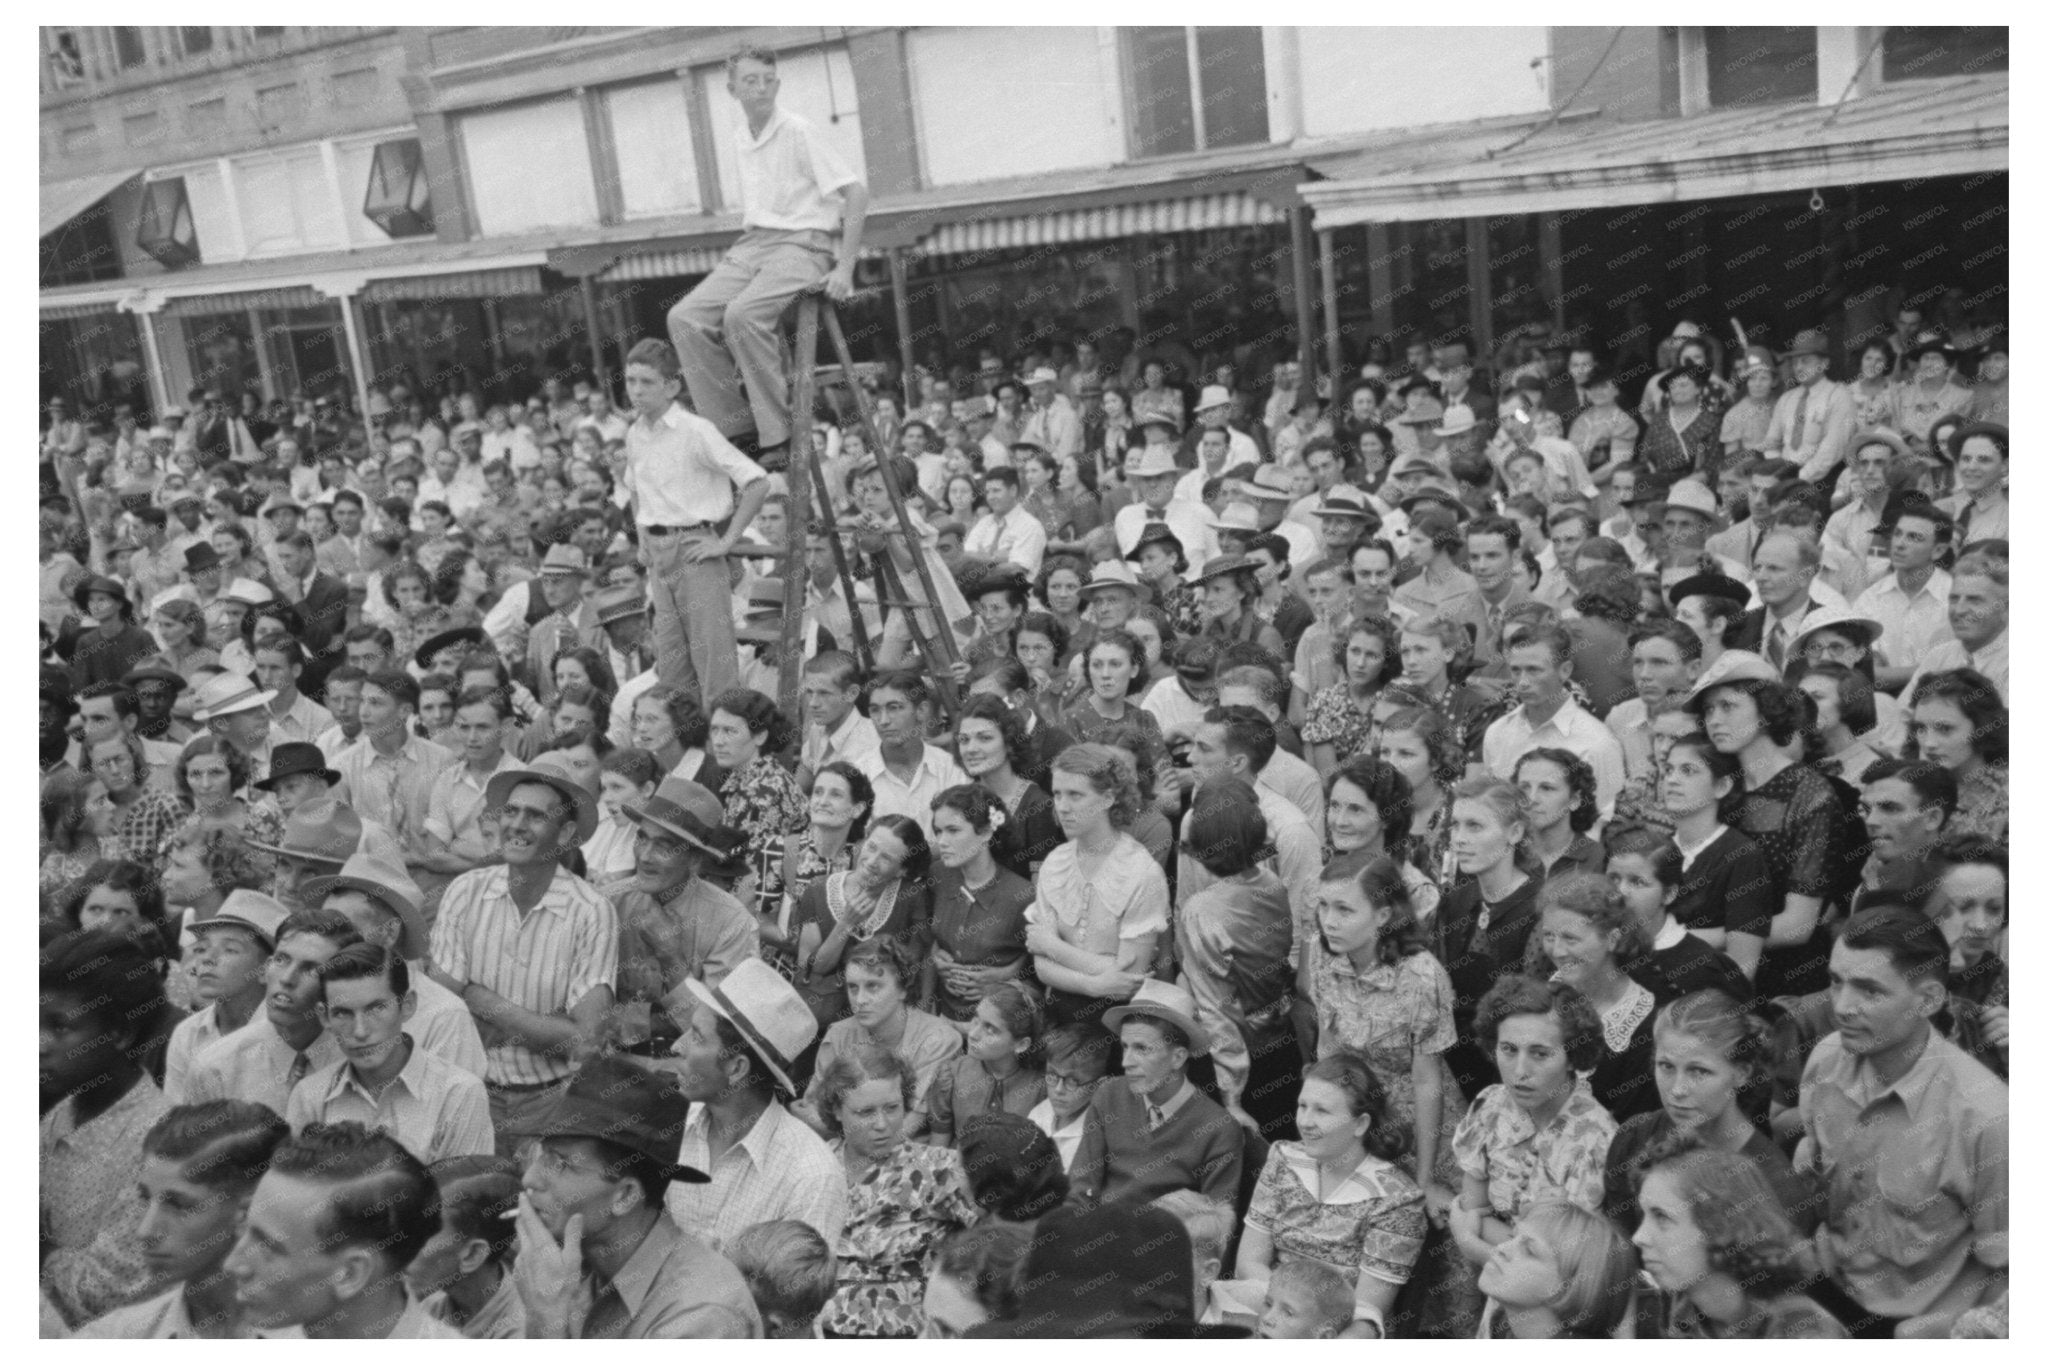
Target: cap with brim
<point>1270,483</point>
<point>642,1110</point>
<point>224,694</point>
<point>1158,1000</point>
<point>293,760</point>
<point>565,559</point>
<point>767,1013</point>
<point>1152,462</point>
<point>434,644</point>
<point>1344,507</point>
<point>252,910</point>
<point>1715,585</point>
<point>1109,575</point>
<point>1690,495</point>
<point>1734,665</point>
<point>1413,464</point>
<point>1155,533</point>
<point>1837,619</point>
<point>1224,566</point>
<point>1880,436</point>
<point>155,670</point>
<point>98,583</point>
<point>551,770</point>
<point>388,885</point>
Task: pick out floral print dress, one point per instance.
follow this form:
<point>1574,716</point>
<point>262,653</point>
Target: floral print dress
<point>762,801</point>
<point>896,1216</point>
<point>1335,719</point>
<point>1522,1167</point>
<point>1372,1223</point>
<point>1390,1014</point>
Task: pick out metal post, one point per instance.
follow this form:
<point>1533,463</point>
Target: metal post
<point>358,354</point>
<point>1333,344</point>
<point>595,334</point>
<point>797,523</point>
<point>159,382</point>
<point>1304,302</point>
<point>1479,281</point>
<point>899,285</point>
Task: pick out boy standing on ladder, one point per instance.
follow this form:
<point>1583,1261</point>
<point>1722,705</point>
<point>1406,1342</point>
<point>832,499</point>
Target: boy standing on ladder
<point>726,329</point>
<point>684,479</point>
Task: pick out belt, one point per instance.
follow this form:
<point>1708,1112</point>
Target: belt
<point>522,1089</point>
<point>674,530</point>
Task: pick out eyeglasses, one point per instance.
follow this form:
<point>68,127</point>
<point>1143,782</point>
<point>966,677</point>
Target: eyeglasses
<point>1055,1081</point>
<point>555,1164</point>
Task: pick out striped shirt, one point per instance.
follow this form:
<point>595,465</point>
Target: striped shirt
<point>394,790</point>
<point>547,961</point>
<point>780,1169</point>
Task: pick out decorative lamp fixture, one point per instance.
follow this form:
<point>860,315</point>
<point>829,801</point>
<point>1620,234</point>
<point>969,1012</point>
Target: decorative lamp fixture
<point>398,200</point>
<point>166,230</point>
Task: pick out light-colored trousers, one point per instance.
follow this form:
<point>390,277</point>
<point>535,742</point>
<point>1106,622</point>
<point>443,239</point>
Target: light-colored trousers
<point>694,644</point>
<point>735,315</point>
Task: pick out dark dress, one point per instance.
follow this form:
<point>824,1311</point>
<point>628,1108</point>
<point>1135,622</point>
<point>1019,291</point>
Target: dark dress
<point>1029,833</point>
<point>1796,821</point>
<point>1635,1145</point>
<point>1689,965</point>
<point>979,928</point>
<point>1728,886</point>
<point>908,920</point>
<point>1971,991</point>
<point>1475,957</point>
<point>105,654</point>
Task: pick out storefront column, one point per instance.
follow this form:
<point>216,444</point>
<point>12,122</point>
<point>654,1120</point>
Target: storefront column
<point>899,285</point>
<point>143,309</point>
<point>266,364</point>
<point>345,294</point>
<point>1379,279</point>
<point>1333,345</point>
<point>1550,243</point>
<point>594,334</point>
<point>1304,296</point>
<point>1479,282</point>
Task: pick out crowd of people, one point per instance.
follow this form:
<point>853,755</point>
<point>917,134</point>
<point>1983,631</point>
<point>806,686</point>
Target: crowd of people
<point>1507,850</point>
<point>1469,856</point>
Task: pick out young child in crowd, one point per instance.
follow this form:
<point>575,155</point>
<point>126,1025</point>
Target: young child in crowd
<point>1076,1060</point>
<point>1305,1301</point>
<point>628,776</point>
<point>790,1272</point>
<point>1002,1068</point>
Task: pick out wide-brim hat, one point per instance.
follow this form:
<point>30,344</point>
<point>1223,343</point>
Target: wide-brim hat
<point>434,644</point>
<point>156,669</point>
<point>1108,575</point>
<point>1437,495</point>
<point>294,759</point>
<point>1995,430</point>
<point>1734,665</point>
<point>1690,495</point>
<point>642,1110</point>
<point>1880,436</point>
<point>1839,619</point>
<point>1414,464</point>
<point>767,1013</point>
<point>224,694</point>
<point>1344,507</point>
<point>1458,419</point>
<point>551,770</point>
<point>1271,483</point>
<point>1931,341</point>
<point>1809,342</point>
<point>1422,412</point>
<point>1224,566</point>
<point>388,884</point>
<point>322,831</point>
<point>112,587</point>
<point>1158,418</point>
<point>689,810</point>
<point>1156,533</point>
<point>565,559</point>
<point>248,592</point>
<point>1157,999</point>
<point>619,603</point>
<point>1213,396</point>
<point>252,910</point>
<point>1151,462</point>
<point>1710,584</point>
<point>1239,518</point>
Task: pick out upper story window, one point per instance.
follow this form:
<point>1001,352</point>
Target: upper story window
<point>129,49</point>
<point>1918,53</point>
<point>196,41</point>
<point>63,57</point>
<point>1194,88</point>
<point>1762,66</point>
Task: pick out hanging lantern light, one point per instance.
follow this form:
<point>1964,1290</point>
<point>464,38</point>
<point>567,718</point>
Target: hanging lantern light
<point>165,230</point>
<point>398,200</point>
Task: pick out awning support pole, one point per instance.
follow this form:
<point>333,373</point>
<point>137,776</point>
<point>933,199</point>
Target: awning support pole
<point>1304,301</point>
<point>1479,281</point>
<point>899,285</point>
<point>594,334</point>
<point>159,382</point>
<point>358,354</point>
<point>1333,350</point>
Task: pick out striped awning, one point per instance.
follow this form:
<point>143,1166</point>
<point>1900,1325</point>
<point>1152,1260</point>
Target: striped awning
<point>70,312</point>
<point>656,265</point>
<point>506,282</point>
<point>215,305</point>
<point>1200,213</point>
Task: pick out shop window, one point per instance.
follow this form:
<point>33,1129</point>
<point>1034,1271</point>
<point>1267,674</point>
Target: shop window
<point>1918,53</point>
<point>1193,88</point>
<point>1761,66</point>
<point>275,31</point>
<point>398,199</point>
<point>66,63</point>
<point>128,48</point>
<point>166,230</point>
<point>197,41</point>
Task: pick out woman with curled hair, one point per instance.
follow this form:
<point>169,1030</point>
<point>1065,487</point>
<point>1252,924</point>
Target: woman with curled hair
<point>1424,747</point>
<point>1339,719</point>
<point>1960,722</point>
<point>1563,803</point>
<point>464,582</point>
<point>1790,812</point>
<point>1715,1239</point>
<point>1713,1063</point>
<point>582,666</point>
<point>670,724</point>
<point>210,772</point>
<point>77,816</point>
<point>1102,901</point>
<point>1484,923</point>
<point>1845,718</point>
<point>1042,648</point>
<point>1539,1135</point>
<point>761,799</point>
<point>975,1279</point>
<point>883,896</point>
<point>1337,1196</point>
<point>1565,1273</point>
<point>200,1165</point>
<point>1585,933</point>
<point>903,1197</point>
<point>977,906</point>
<point>840,802</point>
<point>996,748</point>
<point>1114,665</point>
<point>181,626</point>
<point>1145,750</point>
<point>1059,584</point>
<point>143,815</point>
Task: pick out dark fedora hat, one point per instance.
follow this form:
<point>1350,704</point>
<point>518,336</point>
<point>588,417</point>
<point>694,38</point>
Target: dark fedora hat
<point>614,1101</point>
<point>1715,585</point>
<point>434,644</point>
<point>1156,533</point>
<point>200,557</point>
<point>289,760</point>
<point>112,587</point>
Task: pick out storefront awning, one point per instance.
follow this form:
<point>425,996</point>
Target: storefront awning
<point>1904,132</point>
<point>655,265</point>
<point>63,200</point>
<point>462,284</point>
<point>215,305</point>
<point>1199,213</point>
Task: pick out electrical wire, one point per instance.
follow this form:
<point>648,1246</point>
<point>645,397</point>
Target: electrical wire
<point>825,52</point>
<point>1558,112</point>
<point>1855,76</point>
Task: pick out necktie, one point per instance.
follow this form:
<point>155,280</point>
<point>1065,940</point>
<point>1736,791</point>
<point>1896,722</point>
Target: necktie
<point>1799,418</point>
<point>1154,1116</point>
<point>1963,522</point>
<point>1155,514</point>
<point>301,1064</point>
<point>1775,648</point>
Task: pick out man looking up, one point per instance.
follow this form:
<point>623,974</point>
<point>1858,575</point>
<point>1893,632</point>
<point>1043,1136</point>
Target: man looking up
<point>1539,664</point>
<point>263,1060</point>
<point>329,1232</point>
<point>725,330</point>
<point>834,728</point>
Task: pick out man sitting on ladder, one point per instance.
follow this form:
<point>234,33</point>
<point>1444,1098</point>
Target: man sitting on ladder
<point>788,178</point>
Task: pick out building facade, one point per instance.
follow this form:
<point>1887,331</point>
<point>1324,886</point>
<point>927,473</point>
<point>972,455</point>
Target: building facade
<point>302,209</point>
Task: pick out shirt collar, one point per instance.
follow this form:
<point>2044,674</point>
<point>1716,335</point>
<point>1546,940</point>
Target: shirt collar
<point>1669,935</point>
<point>1174,1105</point>
<point>768,129</point>
<point>408,1076</point>
<point>635,1279</point>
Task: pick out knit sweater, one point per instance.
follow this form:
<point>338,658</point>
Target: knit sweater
<point>1199,1147</point>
